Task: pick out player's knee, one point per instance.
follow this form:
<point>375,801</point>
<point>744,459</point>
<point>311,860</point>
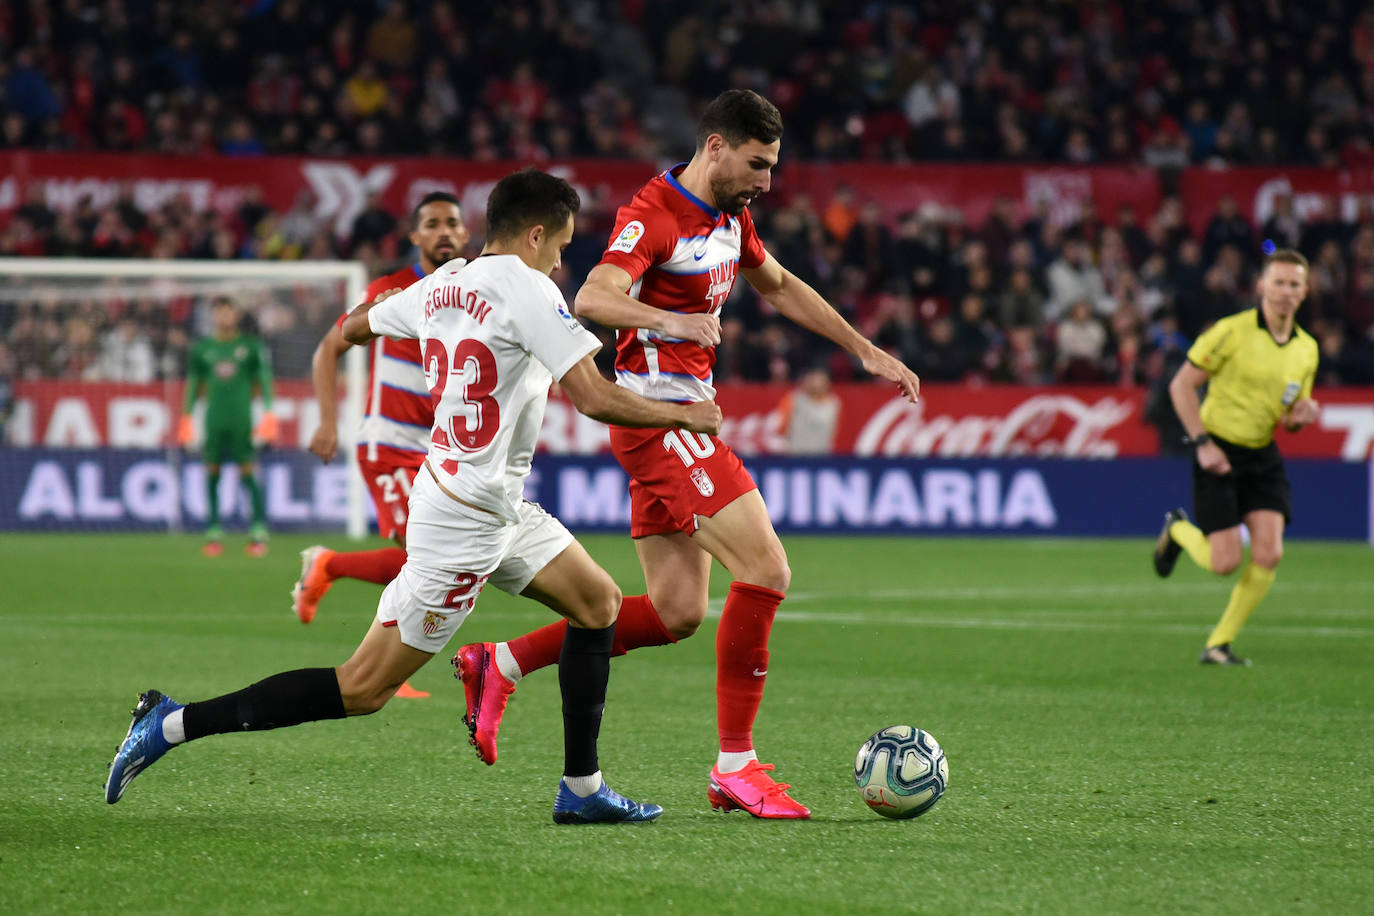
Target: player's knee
<point>599,606</point>
<point>1267,556</point>
<point>681,618</point>
<point>1224,564</point>
<point>774,572</point>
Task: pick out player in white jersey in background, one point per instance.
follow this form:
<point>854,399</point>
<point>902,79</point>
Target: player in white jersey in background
<point>494,334</point>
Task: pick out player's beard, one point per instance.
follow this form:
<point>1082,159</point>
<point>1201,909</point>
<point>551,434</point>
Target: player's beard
<point>442,254</point>
<point>729,200</point>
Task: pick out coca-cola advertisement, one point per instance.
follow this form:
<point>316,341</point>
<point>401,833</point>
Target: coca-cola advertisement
<point>872,420</point>
<point>1314,193</point>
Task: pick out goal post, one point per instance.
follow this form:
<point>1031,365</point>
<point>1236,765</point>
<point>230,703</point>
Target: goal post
<point>92,351</point>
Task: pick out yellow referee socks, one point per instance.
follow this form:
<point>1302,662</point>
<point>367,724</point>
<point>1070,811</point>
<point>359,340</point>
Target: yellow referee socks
<point>1190,538</point>
<point>1245,597</point>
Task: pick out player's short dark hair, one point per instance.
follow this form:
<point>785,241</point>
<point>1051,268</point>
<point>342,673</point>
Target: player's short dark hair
<point>529,198</point>
<point>740,115</point>
<point>222,299</point>
<point>1287,256</point>
<point>433,197</point>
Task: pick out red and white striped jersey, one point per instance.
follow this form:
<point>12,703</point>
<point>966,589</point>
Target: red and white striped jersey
<point>398,413</point>
<point>683,255</point>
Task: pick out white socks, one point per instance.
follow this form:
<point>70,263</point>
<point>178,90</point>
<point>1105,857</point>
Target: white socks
<point>582,786</point>
<point>173,729</point>
<point>729,762</point>
<point>510,670</point>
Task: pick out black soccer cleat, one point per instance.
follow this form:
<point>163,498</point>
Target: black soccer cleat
<point>1166,548</point>
<point>1221,655</point>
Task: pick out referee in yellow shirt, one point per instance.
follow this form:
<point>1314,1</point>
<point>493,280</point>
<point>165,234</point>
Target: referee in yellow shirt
<point>1258,366</point>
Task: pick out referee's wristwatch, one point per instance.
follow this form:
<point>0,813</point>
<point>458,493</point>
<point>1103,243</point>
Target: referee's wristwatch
<point>1197,441</point>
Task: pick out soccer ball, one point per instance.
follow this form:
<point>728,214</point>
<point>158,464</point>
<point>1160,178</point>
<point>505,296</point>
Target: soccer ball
<point>901,772</point>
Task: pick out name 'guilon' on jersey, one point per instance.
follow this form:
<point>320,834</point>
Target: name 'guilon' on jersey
<point>683,256</point>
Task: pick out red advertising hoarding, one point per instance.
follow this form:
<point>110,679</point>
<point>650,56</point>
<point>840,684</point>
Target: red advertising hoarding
<point>949,421</point>
<point>340,187</point>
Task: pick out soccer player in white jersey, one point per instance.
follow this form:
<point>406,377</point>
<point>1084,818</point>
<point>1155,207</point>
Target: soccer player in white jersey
<point>494,334</point>
<point>397,418</point>
<point>672,261</point>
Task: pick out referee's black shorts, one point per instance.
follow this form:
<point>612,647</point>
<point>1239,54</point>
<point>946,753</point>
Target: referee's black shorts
<point>1257,481</point>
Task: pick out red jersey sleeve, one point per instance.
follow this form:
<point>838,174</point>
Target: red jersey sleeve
<point>751,250</point>
<point>642,237</point>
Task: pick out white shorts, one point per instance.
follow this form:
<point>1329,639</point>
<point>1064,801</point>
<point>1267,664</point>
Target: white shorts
<point>452,551</point>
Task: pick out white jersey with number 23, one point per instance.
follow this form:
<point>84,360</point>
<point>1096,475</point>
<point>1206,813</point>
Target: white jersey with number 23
<point>493,333</point>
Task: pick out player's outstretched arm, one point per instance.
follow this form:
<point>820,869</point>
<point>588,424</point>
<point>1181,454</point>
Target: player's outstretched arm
<point>605,298</point>
<point>801,304</point>
<point>324,375</point>
<point>602,400</point>
<point>356,328</point>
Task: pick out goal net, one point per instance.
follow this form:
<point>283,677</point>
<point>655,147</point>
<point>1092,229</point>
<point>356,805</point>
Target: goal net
<point>93,362</point>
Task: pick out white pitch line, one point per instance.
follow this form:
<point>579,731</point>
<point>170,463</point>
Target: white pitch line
<point>1050,591</point>
<point>989,623</point>
<point>919,621</point>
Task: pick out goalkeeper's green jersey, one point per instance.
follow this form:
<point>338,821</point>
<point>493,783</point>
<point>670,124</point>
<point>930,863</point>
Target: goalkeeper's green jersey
<point>228,369</point>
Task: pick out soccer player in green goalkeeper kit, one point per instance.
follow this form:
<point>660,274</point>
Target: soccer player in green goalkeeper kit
<point>232,367</point>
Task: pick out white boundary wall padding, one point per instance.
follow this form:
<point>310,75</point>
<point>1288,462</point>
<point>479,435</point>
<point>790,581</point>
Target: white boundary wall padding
<point>353,274</point>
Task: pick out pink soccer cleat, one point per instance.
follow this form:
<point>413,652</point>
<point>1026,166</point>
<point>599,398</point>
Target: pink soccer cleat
<point>486,691</point>
<point>313,583</point>
<point>753,790</point>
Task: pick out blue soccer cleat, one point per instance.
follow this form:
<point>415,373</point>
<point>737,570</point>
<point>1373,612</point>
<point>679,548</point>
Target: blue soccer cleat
<point>604,806</point>
<point>143,745</point>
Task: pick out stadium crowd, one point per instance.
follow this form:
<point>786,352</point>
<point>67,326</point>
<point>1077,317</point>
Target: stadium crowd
<point>1163,82</point>
<point>1115,298</point>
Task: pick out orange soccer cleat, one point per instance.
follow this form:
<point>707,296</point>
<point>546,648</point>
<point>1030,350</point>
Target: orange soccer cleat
<point>407,692</point>
<point>753,790</point>
<point>313,583</point>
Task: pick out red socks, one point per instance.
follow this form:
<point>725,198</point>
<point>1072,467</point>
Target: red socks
<point>741,652</point>
<point>742,661</point>
<point>638,625</point>
<point>380,566</point>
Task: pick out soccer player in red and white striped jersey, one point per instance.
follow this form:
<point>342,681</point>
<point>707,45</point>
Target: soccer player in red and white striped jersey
<point>672,260</point>
<point>397,418</point>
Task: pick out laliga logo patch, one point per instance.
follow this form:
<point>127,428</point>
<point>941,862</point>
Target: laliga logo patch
<point>629,237</point>
<point>433,622</point>
<point>703,481</point>
<point>567,316</point>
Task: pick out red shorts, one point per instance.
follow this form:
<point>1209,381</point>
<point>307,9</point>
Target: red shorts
<point>676,476</point>
<point>389,483</point>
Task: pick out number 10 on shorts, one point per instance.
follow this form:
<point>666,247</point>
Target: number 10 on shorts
<point>688,446</point>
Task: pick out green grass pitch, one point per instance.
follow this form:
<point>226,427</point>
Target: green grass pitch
<point>1095,767</point>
